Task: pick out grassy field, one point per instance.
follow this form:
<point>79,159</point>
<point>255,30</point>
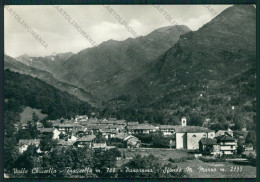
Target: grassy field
<point>26,115</point>
<point>162,154</point>
<point>207,169</point>
<point>232,170</point>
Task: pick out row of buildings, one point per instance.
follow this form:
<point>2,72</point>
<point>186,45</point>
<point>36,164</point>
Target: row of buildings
<point>83,131</point>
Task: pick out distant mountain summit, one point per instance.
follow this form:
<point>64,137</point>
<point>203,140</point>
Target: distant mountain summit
<point>105,68</point>
<point>223,48</point>
<point>207,70</point>
<point>52,63</point>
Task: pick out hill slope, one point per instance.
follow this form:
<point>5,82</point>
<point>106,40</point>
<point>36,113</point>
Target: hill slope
<point>202,73</point>
<point>32,70</point>
<point>103,69</point>
<point>23,90</point>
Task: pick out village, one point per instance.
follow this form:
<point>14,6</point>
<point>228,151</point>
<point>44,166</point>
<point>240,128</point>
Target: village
<point>105,134</point>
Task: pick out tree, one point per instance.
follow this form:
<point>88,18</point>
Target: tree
<point>104,160</point>
<point>159,141</point>
<point>28,160</point>
<point>240,148</point>
<point>23,134</point>
<point>238,120</point>
<point>32,129</point>
<point>11,153</point>
<point>251,138</point>
<point>47,124</point>
<point>196,119</point>
<point>35,118</point>
<point>47,143</point>
<point>208,150</point>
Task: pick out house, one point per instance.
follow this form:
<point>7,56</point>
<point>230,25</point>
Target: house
<point>63,143</point>
<point>121,122</point>
<point>209,146</point>
<point>82,118</point>
<point>39,125</point>
<point>231,125</point>
<point>85,141</point>
<point>93,121</point>
<point>113,121</point>
<point>24,126</point>
<point>96,128</point>
<point>72,138</point>
<point>108,133</point>
<point>167,129</point>
<point>79,131</point>
<point>121,129</point>
<point>108,122</point>
<point>228,132</point>
<point>132,123</point>
<point>55,132</point>
<point>121,136</point>
<point>132,141</point>
<point>24,144</point>
<point>102,146</point>
<point>188,137</point>
<point>228,145</point>
<point>56,124</point>
<point>68,127</point>
<point>140,129</point>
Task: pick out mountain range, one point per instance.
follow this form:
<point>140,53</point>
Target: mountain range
<point>200,74</point>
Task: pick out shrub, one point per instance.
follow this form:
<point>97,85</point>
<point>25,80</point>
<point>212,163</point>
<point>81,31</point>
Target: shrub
<point>251,158</point>
<point>182,159</point>
<point>207,159</point>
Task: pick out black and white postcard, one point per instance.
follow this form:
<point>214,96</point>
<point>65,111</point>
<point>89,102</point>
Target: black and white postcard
<point>130,91</point>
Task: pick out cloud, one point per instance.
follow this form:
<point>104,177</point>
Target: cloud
<point>96,21</point>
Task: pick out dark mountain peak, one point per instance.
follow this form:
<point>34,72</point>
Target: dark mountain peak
<point>176,29</point>
<point>237,13</point>
<point>238,9</point>
<point>219,50</point>
<point>244,7</point>
<point>109,42</point>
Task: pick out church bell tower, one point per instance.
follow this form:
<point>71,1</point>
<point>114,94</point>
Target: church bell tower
<point>183,121</point>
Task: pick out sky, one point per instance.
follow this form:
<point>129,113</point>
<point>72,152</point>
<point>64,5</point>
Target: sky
<point>50,30</point>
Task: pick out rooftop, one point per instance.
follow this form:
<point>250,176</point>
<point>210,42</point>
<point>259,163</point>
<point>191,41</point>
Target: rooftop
<point>108,131</point>
<point>97,127</point>
<point>141,127</point>
<point>167,127</point>
<point>87,138</point>
<point>29,142</point>
<point>132,123</point>
<point>99,145</point>
<point>191,129</point>
<point>122,136</point>
<point>65,143</point>
<point>69,125</point>
<point>47,130</point>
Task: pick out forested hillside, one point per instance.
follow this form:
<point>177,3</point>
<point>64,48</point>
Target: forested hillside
<point>209,73</point>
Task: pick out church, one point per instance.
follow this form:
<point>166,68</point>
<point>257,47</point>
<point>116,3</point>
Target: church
<point>188,137</point>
